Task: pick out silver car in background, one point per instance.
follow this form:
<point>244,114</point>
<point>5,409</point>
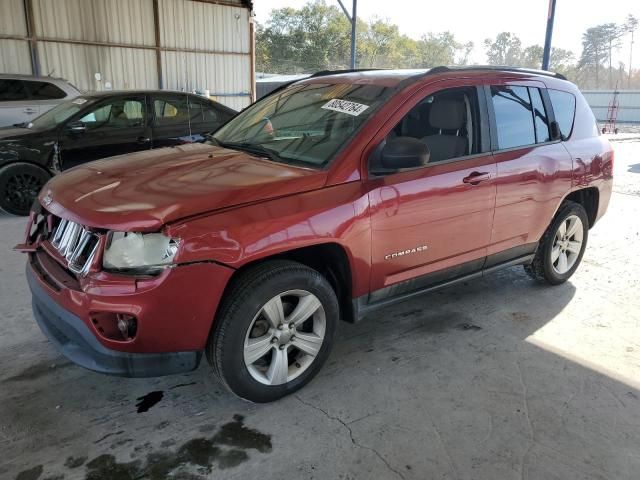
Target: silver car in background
<point>25,97</point>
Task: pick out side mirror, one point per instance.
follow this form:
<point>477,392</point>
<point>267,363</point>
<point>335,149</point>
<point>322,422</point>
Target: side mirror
<point>554,130</point>
<point>404,152</point>
<point>76,127</point>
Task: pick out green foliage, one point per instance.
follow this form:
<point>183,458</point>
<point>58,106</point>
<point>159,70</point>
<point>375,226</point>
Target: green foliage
<point>317,36</point>
<point>506,49</point>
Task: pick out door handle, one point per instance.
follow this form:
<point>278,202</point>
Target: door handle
<point>30,110</point>
<point>474,178</point>
<point>144,139</point>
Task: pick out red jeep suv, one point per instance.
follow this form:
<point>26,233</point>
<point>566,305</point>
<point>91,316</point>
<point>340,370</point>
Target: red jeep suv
<point>329,198</point>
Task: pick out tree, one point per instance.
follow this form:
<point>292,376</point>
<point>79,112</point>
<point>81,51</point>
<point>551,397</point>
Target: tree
<point>594,51</point>
<point>612,33</point>
<point>631,27</point>
<point>506,49</point>
<point>439,49</point>
<point>532,57</point>
<point>311,38</point>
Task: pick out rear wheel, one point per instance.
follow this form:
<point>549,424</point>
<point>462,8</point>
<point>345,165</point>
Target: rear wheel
<point>274,330</point>
<point>20,184</point>
<point>562,246</point>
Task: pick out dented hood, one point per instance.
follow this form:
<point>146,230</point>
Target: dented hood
<point>143,191</point>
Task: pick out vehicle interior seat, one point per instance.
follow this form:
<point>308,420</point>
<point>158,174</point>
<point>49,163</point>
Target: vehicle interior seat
<point>447,114</point>
<point>118,116</point>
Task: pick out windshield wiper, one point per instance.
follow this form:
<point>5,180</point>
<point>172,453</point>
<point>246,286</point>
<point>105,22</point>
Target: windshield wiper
<point>210,138</point>
<point>255,149</point>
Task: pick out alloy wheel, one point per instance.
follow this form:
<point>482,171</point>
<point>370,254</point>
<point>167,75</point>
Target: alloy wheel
<point>22,189</point>
<point>567,244</point>
<point>285,337</point>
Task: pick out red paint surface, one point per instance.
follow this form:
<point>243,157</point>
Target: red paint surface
<point>233,209</point>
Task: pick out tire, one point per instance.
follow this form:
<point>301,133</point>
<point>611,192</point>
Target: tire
<point>245,327</point>
<point>548,265</point>
<point>20,184</point>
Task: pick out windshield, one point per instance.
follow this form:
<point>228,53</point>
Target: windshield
<point>305,124</point>
<point>59,114</point>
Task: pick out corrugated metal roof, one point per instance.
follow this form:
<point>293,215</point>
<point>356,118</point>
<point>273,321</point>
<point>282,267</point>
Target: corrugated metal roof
<point>78,38</point>
<point>203,26</point>
<point>15,57</point>
<point>124,68</point>
<point>12,20</point>
<point>113,21</point>
<point>228,75</point>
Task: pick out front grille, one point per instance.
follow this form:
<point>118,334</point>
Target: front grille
<point>76,244</point>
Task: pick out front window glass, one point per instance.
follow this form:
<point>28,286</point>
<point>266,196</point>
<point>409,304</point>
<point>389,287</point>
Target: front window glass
<point>305,124</point>
<point>59,114</point>
<point>120,113</point>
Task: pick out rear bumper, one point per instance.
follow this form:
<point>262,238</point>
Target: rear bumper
<point>75,341</point>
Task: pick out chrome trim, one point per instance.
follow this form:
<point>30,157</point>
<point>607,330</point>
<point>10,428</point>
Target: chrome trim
<point>71,240</point>
<point>57,236</point>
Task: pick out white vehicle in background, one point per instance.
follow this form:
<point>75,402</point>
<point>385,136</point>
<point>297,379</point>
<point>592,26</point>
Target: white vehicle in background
<point>25,97</point>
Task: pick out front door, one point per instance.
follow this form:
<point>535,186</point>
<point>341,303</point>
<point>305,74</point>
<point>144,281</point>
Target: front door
<point>114,126</point>
<point>433,223</point>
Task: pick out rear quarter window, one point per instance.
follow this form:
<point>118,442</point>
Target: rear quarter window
<point>564,109</point>
<point>12,91</point>
<point>44,91</point>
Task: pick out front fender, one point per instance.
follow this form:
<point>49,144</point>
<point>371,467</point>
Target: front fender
<point>236,237</point>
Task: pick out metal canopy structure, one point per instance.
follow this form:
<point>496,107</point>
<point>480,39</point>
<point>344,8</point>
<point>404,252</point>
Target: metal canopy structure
<point>353,19</point>
<point>176,44</point>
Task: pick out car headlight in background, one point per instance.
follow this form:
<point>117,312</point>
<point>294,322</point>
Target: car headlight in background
<point>139,252</point>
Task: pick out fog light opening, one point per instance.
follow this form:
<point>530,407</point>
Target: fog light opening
<point>128,325</point>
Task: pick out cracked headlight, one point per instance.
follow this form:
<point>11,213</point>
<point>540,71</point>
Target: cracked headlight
<point>139,252</point>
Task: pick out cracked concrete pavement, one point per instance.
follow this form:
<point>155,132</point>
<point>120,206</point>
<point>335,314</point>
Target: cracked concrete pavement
<point>498,378</point>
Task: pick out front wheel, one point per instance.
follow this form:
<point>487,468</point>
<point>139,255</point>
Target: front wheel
<point>274,330</point>
<point>20,184</point>
<point>562,245</point>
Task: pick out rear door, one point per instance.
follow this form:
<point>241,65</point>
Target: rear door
<point>114,126</point>
<point>534,170</point>
<point>170,125</point>
<point>15,106</point>
<point>44,95</point>
<point>206,116</point>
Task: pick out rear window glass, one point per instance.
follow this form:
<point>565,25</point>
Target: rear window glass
<point>44,91</point>
<point>12,90</point>
<point>171,111</point>
<point>201,112</point>
<point>564,108</point>
<point>539,116</point>
<point>514,121</point>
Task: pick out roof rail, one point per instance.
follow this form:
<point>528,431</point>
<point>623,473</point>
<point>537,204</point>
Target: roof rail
<point>323,73</point>
<point>498,68</point>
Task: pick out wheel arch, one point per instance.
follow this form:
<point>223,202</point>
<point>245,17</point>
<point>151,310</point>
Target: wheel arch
<point>330,259</point>
<point>26,162</point>
<point>589,198</point>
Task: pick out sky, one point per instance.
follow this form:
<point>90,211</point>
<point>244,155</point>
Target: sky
<point>476,20</point>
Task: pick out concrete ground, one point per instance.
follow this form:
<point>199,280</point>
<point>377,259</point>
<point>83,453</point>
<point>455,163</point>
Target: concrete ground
<point>495,379</point>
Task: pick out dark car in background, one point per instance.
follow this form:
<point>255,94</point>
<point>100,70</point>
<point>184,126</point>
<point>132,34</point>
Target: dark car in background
<point>95,126</point>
